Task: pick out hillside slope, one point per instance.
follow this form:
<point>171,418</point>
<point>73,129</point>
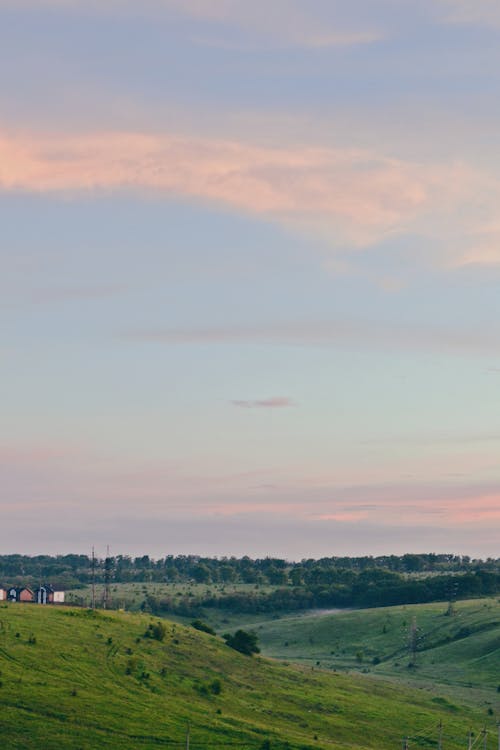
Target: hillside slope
<point>78,679</point>
<point>458,652</point>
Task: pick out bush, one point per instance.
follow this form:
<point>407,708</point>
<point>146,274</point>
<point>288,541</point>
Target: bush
<point>243,641</point>
<point>203,626</point>
<point>156,630</point>
<point>216,687</point>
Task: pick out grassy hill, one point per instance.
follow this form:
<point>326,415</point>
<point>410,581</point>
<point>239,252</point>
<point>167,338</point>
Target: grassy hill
<point>458,653</point>
<point>77,679</point>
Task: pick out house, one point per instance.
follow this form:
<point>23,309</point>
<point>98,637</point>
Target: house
<point>3,594</point>
<point>46,594</point>
<point>12,594</point>
<point>26,595</point>
<point>22,594</point>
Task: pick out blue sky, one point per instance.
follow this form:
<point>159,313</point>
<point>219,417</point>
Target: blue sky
<point>250,258</point>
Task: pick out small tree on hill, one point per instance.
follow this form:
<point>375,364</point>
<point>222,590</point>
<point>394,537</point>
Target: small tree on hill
<point>157,631</point>
<point>243,641</point>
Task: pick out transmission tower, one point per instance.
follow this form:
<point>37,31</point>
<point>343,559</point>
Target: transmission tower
<point>108,566</point>
<point>414,639</point>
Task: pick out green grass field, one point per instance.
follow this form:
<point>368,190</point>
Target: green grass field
<point>458,654</point>
<point>130,595</point>
<point>77,679</point>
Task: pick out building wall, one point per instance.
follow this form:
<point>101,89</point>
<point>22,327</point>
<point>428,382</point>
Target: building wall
<point>3,595</point>
<point>58,597</point>
<point>26,596</point>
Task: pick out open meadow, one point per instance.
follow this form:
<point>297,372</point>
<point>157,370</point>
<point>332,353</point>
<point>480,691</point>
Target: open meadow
<point>74,678</point>
<point>455,652</point>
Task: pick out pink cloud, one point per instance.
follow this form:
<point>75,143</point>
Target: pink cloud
<point>450,505</point>
<point>476,510</point>
<point>355,196</point>
<point>276,402</point>
<point>307,181</point>
<point>344,517</point>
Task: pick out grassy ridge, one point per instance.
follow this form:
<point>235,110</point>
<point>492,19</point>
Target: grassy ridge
<point>70,679</point>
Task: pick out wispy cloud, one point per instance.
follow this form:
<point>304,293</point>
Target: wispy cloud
<point>436,439</point>
<point>50,295</point>
<point>284,22</point>
<point>352,197</point>
<point>276,402</point>
<point>380,336</point>
<point>480,12</point>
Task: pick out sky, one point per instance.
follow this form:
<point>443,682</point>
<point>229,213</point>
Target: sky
<point>249,275</point>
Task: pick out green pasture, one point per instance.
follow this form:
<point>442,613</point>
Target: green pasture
<point>131,595</point>
<point>459,652</point>
<point>73,678</point>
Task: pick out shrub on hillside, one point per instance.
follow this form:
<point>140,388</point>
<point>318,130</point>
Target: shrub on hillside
<point>156,630</point>
<point>203,626</point>
<point>243,641</point>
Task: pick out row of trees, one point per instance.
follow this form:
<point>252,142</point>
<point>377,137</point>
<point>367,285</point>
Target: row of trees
<point>72,570</point>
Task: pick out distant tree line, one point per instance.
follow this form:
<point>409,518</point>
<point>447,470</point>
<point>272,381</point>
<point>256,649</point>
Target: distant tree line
<point>194,568</point>
<point>327,582</point>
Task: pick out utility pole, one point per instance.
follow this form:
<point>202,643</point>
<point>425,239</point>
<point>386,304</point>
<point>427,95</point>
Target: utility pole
<point>440,736</point>
<point>485,738</point>
<point>93,578</point>
<point>107,578</point>
<point>188,732</point>
<point>470,740</point>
